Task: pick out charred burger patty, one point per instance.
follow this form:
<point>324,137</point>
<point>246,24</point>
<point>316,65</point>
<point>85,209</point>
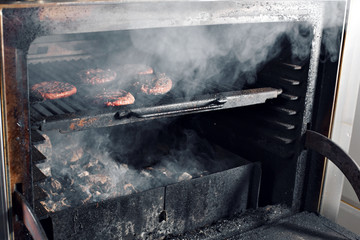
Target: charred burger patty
<point>154,84</point>
<point>113,98</point>
<point>53,90</point>
<point>94,76</point>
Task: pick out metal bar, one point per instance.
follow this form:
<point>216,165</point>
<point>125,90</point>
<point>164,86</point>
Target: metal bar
<point>37,174</point>
<point>125,115</point>
<point>321,144</point>
<point>36,137</point>
<point>211,102</point>
<point>23,210</point>
<point>4,220</point>
<point>37,156</point>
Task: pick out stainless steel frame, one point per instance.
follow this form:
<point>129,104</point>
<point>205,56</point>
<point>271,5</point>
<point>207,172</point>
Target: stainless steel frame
<point>138,14</point>
<point>4,218</point>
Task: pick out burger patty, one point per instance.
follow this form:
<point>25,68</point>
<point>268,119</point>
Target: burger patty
<point>94,76</point>
<point>135,69</point>
<point>154,85</point>
<point>114,98</point>
<point>53,90</point>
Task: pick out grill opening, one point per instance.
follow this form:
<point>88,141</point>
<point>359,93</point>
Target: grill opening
<point>217,70</point>
<point>219,143</point>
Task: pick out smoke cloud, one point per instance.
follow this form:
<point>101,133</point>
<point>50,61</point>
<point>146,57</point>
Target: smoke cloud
<point>91,166</point>
<point>95,165</point>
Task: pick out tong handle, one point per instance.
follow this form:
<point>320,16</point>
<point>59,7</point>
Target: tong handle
<point>181,107</point>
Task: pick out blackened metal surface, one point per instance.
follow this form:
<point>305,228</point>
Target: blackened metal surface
<point>39,193</point>
<point>240,223</point>
<point>303,225</point>
<point>321,144</point>
<point>120,218</point>
<point>37,174</point>
<point>37,156</point>
<point>270,132</point>
<point>165,210</point>
<point>192,204</point>
<point>47,18</point>
<point>36,137</point>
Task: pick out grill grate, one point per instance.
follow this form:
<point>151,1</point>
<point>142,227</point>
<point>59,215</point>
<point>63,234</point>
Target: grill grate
<point>75,112</point>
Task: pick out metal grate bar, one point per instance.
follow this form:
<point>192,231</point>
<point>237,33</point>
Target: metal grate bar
<point>37,156</point>
<point>289,81</point>
<point>38,175</point>
<point>63,106</point>
<point>73,102</point>
<point>39,193</point>
<point>278,124</point>
<point>51,108</point>
<point>289,97</point>
<point>291,66</point>
<point>41,110</point>
<point>286,111</point>
<point>36,137</point>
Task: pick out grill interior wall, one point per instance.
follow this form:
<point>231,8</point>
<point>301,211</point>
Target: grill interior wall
<point>266,133</point>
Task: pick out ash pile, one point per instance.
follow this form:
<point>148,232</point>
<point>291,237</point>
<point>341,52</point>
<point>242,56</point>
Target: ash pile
<point>91,166</point>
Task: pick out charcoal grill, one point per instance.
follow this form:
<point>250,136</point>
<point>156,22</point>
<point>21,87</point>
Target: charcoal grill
<point>262,125</point>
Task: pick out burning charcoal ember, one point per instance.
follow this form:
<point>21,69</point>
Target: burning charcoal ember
<point>83,174</point>
<point>49,205</point>
<point>74,167</point>
<point>146,173</point>
<point>92,163</point>
<point>166,172</point>
<point>84,188</point>
<point>86,199</point>
<point>66,181</point>
<point>93,166</point>
<point>204,173</point>
<point>129,189</point>
<point>124,166</point>
<point>53,206</point>
<point>184,176</point>
<point>99,178</point>
<point>78,154</point>
<point>63,202</point>
<point>56,184</point>
<point>107,187</point>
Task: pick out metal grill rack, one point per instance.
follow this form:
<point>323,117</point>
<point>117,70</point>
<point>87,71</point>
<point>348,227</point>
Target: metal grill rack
<point>75,113</point>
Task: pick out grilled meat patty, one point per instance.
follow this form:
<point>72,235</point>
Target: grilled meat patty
<point>154,85</point>
<point>94,76</point>
<point>114,98</point>
<point>53,90</point>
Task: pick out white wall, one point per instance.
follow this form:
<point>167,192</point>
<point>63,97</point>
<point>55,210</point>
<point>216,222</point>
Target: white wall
<point>346,130</point>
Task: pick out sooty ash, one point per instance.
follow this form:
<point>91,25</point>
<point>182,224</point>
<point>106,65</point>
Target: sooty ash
<point>91,166</point>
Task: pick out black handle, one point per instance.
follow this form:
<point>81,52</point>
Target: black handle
<point>181,107</point>
<point>329,149</point>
